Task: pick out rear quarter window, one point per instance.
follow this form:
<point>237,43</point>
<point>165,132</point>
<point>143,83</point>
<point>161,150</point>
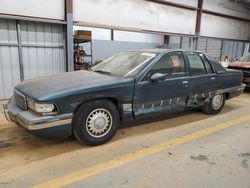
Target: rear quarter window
<point>208,66</point>
<point>196,64</point>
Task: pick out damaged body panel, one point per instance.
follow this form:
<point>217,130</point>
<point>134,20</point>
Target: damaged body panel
<point>153,82</point>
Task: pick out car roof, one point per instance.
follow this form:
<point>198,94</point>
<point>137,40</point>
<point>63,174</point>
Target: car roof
<point>162,50</point>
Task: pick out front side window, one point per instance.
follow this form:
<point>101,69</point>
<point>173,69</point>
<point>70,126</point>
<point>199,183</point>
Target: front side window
<point>171,64</point>
<point>196,64</point>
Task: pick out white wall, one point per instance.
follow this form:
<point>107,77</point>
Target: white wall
<point>97,33</point>
<point>139,14</point>
<point>105,34</point>
<point>143,15</point>
<point>192,3</point>
<point>138,37</point>
<point>52,9</point>
<point>226,7</point>
<point>214,26</point>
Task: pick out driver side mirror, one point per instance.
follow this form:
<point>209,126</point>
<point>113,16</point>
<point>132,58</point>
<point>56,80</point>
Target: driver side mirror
<point>157,77</point>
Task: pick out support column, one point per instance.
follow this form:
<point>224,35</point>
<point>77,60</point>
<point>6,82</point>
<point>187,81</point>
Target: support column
<point>180,42</point>
<point>69,34</point>
<point>198,22</point>
<point>112,34</point>
<point>20,52</point>
<point>166,41</point>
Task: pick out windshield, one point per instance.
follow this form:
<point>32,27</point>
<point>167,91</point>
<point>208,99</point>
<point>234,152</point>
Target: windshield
<point>125,64</point>
<point>245,58</point>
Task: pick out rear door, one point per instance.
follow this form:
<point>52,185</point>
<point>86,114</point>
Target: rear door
<point>165,95</point>
<point>202,78</point>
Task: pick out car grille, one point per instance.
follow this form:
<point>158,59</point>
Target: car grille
<point>20,100</point>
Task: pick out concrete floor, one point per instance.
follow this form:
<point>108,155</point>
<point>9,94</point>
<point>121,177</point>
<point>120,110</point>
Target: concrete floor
<point>220,159</point>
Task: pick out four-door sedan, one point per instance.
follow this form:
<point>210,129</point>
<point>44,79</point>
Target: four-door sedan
<point>130,85</point>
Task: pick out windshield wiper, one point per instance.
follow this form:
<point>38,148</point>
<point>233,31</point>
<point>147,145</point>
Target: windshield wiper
<point>102,72</point>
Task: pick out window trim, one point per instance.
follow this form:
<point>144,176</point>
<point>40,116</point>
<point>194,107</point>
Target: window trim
<point>199,53</point>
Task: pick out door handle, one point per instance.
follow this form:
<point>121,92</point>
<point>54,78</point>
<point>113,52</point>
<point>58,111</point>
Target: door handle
<point>213,78</point>
<point>185,82</point>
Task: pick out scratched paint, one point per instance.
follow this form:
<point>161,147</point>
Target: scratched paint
<point>159,105</point>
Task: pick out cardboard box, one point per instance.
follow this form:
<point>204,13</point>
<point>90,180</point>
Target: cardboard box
<point>83,34</point>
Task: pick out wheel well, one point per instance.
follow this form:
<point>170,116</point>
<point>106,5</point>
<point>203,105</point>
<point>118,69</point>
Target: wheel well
<point>113,100</point>
<point>226,95</point>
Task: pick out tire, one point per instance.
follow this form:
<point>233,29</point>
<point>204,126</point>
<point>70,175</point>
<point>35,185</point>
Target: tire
<point>215,105</point>
<point>96,122</point>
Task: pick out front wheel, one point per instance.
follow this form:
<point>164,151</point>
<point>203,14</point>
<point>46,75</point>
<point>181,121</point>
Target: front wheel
<point>215,105</point>
<point>96,122</point>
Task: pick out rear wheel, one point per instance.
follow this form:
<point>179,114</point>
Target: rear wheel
<point>215,105</point>
<point>96,122</point>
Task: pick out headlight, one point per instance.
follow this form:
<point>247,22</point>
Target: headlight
<point>42,108</point>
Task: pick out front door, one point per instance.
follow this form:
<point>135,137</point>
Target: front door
<point>165,95</point>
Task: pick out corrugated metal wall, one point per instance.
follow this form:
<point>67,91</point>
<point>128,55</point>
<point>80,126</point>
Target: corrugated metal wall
<point>41,46</point>
<point>9,59</point>
<point>232,49</point>
<point>210,46</point>
<point>185,43</point>
<point>103,49</point>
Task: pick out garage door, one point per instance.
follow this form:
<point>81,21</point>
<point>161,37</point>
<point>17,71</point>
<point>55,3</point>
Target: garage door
<point>39,47</point>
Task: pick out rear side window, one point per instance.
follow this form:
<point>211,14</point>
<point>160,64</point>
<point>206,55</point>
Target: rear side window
<point>196,64</point>
<point>207,64</point>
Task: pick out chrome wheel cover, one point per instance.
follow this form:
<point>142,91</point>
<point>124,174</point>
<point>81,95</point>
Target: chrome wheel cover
<point>99,122</point>
<point>217,101</point>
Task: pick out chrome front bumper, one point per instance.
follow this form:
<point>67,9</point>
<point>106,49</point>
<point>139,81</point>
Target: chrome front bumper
<point>32,122</point>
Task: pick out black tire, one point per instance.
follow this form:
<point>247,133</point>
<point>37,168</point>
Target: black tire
<point>211,108</point>
<point>90,130</point>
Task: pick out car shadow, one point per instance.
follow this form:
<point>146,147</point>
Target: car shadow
<point>15,141</point>
<point>162,122</point>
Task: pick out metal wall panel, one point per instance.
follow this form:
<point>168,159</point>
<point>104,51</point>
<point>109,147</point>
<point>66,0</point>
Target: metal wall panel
<point>232,49</point>
<point>8,32</point>
<point>39,61</point>
<point>102,49</point>
<point>185,43</point>
<point>210,46</point>
<point>9,70</point>
<point>39,8</point>
<point>9,60</point>
<point>42,48</point>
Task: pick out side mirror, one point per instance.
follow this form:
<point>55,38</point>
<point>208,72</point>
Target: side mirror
<point>157,77</point>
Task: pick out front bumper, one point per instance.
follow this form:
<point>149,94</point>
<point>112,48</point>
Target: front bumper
<point>32,122</point>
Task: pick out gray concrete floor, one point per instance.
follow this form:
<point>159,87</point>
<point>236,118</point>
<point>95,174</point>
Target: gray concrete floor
<point>220,159</point>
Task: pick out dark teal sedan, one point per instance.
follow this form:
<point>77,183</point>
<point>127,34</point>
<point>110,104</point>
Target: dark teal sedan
<point>130,85</point>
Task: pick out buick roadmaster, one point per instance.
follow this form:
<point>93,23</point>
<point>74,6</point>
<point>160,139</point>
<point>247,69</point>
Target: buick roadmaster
<point>130,85</point>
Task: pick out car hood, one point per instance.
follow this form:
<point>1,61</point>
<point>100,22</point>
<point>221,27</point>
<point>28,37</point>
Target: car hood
<point>65,83</point>
<point>239,64</point>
